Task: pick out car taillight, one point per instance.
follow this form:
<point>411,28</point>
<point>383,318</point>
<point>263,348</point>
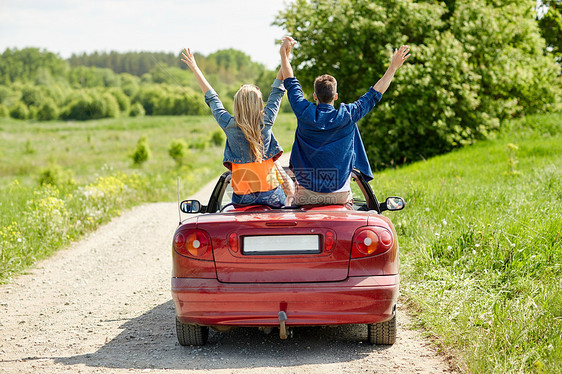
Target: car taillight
<point>371,241</point>
<point>329,241</point>
<point>233,242</point>
<point>192,243</point>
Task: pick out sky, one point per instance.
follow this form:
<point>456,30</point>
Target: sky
<point>76,26</point>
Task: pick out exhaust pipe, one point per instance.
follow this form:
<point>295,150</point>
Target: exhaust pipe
<point>282,328</point>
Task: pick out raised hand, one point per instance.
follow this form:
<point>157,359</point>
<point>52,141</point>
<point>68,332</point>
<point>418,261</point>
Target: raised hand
<point>285,51</point>
<point>287,45</point>
<point>400,55</point>
<point>189,59</point>
<point>192,64</point>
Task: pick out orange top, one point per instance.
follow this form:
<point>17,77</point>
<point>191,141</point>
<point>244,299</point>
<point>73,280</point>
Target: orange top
<point>254,177</point>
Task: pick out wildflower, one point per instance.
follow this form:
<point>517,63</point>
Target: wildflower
<point>443,222</point>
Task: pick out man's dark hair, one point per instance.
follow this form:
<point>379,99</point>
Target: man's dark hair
<point>325,88</point>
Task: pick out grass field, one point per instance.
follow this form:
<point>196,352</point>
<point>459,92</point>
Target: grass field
<point>480,237</point>
<point>482,248</point>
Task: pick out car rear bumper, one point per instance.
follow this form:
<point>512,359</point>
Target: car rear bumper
<point>356,300</point>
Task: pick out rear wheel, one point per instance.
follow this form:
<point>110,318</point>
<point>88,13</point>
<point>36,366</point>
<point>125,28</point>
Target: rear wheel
<point>383,333</point>
<point>191,334</point>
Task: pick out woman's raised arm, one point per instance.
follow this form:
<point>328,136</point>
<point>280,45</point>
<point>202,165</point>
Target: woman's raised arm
<point>189,60</point>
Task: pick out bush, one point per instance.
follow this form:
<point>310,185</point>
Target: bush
<point>169,104</point>
<point>77,109</point>
<point>217,138</point>
<point>4,112</point>
<point>90,76</point>
<point>178,102</point>
<point>129,84</point>
<point>196,104</point>
<point>58,93</point>
<point>142,153</point>
<point>136,110</point>
<point>19,111</point>
<point>91,105</point>
<point>29,149</point>
<point>199,143</point>
<point>97,107</point>
<point>82,108</point>
<point>122,100</point>
<point>55,175</point>
<point>178,151</point>
<point>111,105</point>
<point>149,97</point>
<point>7,96</point>
<point>32,96</point>
<point>48,111</point>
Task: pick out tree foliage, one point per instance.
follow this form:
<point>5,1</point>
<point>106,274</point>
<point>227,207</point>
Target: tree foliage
<point>19,111</point>
<point>48,111</point>
<point>550,24</point>
<point>39,85</point>
<point>474,63</point>
<point>135,63</point>
<point>29,63</point>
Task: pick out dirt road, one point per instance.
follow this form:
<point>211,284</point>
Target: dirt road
<point>104,306</point>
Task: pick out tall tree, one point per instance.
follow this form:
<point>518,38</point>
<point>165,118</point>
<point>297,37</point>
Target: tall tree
<point>24,65</point>
<point>474,63</point>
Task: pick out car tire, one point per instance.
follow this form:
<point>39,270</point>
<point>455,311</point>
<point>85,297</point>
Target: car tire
<point>383,333</point>
<point>191,334</point>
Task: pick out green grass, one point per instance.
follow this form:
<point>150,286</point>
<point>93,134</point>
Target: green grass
<point>95,176</point>
<point>481,248</point>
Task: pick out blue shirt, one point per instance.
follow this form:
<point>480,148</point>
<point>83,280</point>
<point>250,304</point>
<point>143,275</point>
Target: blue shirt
<point>327,144</point>
<point>237,148</point>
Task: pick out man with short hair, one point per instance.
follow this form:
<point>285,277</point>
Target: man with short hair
<point>327,144</point>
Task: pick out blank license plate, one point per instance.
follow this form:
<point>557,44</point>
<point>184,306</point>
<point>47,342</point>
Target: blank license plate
<point>281,244</point>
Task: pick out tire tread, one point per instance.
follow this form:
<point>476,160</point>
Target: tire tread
<point>191,334</point>
<point>383,333</point>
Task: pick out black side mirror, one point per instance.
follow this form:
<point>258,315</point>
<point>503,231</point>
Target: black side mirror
<point>393,203</point>
<point>191,206</point>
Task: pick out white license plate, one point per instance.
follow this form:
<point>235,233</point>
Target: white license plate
<point>281,244</point>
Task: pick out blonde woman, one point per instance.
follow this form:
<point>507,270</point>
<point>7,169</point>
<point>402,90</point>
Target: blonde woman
<point>251,149</point>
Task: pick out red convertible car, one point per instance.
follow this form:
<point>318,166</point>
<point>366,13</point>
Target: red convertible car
<point>243,266</point>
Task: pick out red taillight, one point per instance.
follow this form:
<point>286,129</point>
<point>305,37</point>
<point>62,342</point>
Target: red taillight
<point>329,241</point>
<point>233,242</point>
<point>193,243</point>
<point>371,241</point>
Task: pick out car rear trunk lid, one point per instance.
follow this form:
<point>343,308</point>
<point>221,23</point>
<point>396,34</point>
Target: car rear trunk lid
<point>282,246</point>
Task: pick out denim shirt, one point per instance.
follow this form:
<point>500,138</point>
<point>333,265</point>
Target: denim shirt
<point>327,143</point>
<point>237,149</point>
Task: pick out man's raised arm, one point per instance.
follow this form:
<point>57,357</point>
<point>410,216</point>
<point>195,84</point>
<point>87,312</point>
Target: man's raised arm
<point>288,44</point>
<point>400,55</point>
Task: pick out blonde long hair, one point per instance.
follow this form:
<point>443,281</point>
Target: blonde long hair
<point>248,115</point>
